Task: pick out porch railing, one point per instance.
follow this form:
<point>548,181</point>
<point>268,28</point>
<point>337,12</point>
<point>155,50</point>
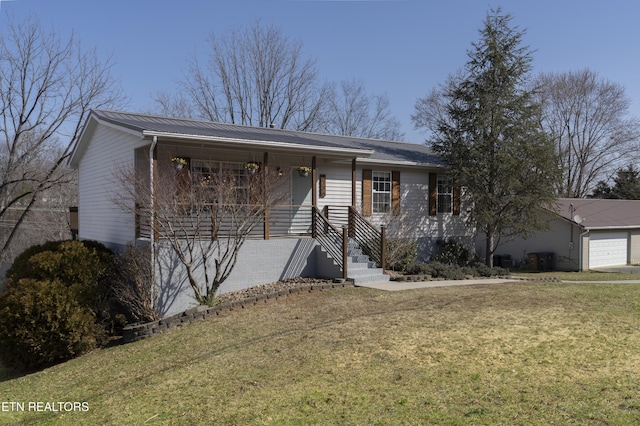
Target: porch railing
<point>332,228</point>
<point>281,221</point>
<point>371,240</point>
<point>334,241</point>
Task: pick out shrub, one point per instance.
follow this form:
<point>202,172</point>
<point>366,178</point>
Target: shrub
<point>401,253</point>
<point>437,270</point>
<point>57,303</point>
<point>20,267</point>
<point>69,261</point>
<point>133,288</point>
<point>42,323</point>
<point>449,272</point>
<point>86,265</point>
<point>417,268</point>
<point>453,272</point>
<point>451,252</point>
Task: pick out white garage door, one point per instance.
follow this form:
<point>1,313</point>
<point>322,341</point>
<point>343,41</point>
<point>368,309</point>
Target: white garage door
<point>607,249</point>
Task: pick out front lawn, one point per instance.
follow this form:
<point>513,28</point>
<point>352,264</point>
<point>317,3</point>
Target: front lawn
<point>522,353</point>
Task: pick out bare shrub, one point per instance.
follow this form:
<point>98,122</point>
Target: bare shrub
<point>133,287</point>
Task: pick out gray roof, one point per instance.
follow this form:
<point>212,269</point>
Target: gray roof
<point>185,128</point>
<point>595,213</point>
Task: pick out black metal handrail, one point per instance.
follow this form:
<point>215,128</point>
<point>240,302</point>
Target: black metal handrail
<point>371,241</point>
<point>331,239</point>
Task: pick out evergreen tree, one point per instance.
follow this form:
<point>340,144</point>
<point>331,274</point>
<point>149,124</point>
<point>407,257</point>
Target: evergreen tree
<point>490,134</point>
<point>626,185</point>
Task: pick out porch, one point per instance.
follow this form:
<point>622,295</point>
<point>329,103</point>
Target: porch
<point>341,231</point>
<point>214,192</point>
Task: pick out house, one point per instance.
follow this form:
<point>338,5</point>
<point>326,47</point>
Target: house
<point>584,234</point>
<point>382,187</point>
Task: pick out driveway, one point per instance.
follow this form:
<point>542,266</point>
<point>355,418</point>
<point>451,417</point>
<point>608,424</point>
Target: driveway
<point>629,269</point>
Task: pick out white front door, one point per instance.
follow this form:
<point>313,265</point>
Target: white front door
<point>300,203</point>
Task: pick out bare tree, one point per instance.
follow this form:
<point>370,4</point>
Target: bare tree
<point>255,77</point>
<point>588,117</point>
<point>205,216</point>
<point>133,287</point>
<point>47,87</point>
<point>350,111</point>
<point>433,109</point>
<point>170,105</point>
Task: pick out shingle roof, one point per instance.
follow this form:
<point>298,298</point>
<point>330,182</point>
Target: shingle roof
<point>596,213</point>
<point>382,150</point>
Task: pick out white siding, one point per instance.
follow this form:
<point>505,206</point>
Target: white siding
<point>338,185</point>
<point>414,220</point>
<point>562,239</point>
<point>99,217</point>
<point>634,247</point>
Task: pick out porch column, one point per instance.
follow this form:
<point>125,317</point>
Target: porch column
<point>314,182</point>
<point>265,196</point>
<point>353,183</point>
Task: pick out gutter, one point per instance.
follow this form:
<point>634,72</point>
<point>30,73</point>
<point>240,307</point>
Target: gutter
<point>374,161</point>
<point>152,235</point>
<point>261,143</point>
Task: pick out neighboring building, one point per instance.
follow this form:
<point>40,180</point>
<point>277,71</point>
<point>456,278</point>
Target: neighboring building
<point>584,234</point>
<point>402,185</point>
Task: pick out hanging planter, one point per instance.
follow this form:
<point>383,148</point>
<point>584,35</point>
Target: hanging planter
<point>251,167</point>
<point>179,163</point>
<point>304,171</point>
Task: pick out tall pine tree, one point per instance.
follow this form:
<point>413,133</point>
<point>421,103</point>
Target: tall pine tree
<point>490,135</point>
<point>626,185</point>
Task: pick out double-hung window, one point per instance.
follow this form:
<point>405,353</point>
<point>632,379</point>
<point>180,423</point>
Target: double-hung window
<point>225,180</point>
<point>381,192</point>
<point>444,198</point>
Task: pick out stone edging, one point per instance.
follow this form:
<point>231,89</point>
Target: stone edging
<point>427,277</point>
<point>135,332</point>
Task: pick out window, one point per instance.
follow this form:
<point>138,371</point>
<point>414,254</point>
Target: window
<point>381,192</point>
<point>222,176</point>
<point>444,198</point>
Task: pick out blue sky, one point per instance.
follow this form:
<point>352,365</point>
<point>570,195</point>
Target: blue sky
<point>399,47</point>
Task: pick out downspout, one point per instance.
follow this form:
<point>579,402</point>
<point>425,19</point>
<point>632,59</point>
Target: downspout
<point>584,234</point>
<point>152,235</point>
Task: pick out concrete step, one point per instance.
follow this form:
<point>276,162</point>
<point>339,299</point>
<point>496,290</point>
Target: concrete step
<point>359,272</point>
<point>360,265</point>
<point>360,269</point>
<point>358,259</point>
<point>368,279</point>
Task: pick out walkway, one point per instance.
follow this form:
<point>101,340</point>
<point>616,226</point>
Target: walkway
<point>409,285</point>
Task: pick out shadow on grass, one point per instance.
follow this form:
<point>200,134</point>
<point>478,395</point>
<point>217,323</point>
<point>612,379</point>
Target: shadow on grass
<point>7,373</point>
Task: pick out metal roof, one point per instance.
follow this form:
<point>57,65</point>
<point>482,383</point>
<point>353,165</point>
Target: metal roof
<point>596,213</point>
<point>380,150</point>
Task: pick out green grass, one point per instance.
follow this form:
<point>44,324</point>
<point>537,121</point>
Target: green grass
<point>580,276</point>
<point>522,353</point>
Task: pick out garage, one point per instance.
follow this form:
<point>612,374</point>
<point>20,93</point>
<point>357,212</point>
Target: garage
<point>608,249</point>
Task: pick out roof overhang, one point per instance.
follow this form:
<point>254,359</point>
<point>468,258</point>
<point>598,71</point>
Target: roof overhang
<point>609,228</point>
<point>87,130</point>
<point>591,228</point>
<point>382,162</point>
<point>253,143</point>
